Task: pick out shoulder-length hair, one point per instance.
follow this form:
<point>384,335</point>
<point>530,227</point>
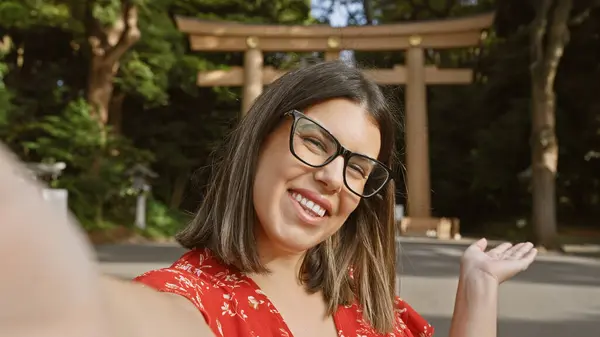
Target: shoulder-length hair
<point>365,244</point>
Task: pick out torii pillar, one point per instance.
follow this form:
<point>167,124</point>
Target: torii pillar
<point>333,49</point>
<point>416,132</point>
<point>253,68</point>
<point>253,72</point>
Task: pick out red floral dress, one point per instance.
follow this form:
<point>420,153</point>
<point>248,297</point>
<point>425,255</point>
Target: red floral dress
<point>233,305</point>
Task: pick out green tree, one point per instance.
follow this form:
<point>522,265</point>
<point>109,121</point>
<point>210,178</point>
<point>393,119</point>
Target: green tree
<point>549,33</point>
<point>192,124</point>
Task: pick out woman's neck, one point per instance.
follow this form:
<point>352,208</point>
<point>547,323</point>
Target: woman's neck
<point>283,266</point>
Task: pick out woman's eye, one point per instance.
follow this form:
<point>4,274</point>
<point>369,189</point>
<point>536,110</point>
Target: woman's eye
<point>315,142</point>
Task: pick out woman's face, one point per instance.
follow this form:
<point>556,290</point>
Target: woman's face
<point>286,191</point>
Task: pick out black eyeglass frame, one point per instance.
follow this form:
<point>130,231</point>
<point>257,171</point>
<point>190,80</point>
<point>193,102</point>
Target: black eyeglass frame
<point>340,151</point>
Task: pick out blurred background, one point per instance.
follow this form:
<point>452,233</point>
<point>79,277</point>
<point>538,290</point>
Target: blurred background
<point>101,98</point>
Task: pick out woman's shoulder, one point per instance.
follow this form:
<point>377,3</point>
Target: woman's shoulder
<point>189,265</point>
<point>197,275</point>
<point>196,271</point>
<point>210,285</point>
<point>408,323</point>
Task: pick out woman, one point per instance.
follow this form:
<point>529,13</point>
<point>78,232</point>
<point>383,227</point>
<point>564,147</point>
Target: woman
<point>294,238</point>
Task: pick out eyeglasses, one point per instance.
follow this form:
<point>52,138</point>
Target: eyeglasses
<point>313,145</point>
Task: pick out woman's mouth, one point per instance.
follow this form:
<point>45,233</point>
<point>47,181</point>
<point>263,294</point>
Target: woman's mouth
<point>307,206</point>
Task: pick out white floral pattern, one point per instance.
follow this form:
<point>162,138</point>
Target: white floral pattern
<point>233,305</point>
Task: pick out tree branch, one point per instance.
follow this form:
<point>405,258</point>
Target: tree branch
<point>538,30</point>
<point>580,17</point>
<point>558,38</point>
<point>129,35</point>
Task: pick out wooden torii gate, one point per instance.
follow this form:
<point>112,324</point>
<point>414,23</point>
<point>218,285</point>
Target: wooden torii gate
<point>413,37</point>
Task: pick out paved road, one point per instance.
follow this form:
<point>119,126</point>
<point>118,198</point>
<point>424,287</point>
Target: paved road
<point>559,296</point>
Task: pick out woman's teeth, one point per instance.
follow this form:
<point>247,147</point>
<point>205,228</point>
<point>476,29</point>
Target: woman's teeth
<point>314,209</point>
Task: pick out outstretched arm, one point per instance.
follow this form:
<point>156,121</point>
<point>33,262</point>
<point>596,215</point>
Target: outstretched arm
<point>476,306</point>
<point>142,312</point>
<point>475,309</point>
<point>50,284</point>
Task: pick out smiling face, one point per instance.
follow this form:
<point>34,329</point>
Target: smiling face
<point>299,206</point>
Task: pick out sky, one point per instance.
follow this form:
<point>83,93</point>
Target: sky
<point>339,16</point>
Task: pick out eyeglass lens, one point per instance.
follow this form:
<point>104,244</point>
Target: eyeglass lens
<point>316,147</point>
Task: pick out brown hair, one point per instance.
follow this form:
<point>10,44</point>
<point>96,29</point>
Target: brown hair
<point>226,219</point>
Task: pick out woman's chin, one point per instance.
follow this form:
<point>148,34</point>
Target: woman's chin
<point>294,241</point>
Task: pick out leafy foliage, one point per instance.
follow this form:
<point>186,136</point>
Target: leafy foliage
<point>166,120</point>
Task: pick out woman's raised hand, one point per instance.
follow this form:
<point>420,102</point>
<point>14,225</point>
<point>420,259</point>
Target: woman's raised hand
<point>501,263</point>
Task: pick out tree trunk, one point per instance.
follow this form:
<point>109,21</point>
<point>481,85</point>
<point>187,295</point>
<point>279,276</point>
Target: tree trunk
<point>100,88</point>
<point>368,10</point>
<point>548,40</point>
<point>115,114</point>
<point>108,44</point>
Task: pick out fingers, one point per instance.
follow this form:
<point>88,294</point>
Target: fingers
<point>500,249</point>
<point>481,244</point>
<point>506,251</point>
<point>519,250</point>
<point>524,256</point>
<point>530,255</point>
